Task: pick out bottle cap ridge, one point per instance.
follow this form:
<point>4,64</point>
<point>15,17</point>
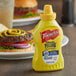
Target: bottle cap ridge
<point>48,13</point>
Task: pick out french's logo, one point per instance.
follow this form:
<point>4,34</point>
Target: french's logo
<point>47,35</point>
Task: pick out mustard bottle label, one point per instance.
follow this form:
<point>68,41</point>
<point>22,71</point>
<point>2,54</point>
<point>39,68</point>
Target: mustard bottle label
<point>50,54</point>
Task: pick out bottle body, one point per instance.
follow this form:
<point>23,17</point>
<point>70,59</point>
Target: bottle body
<point>48,38</point>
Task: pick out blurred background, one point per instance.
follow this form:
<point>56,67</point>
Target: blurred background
<point>57,6</point>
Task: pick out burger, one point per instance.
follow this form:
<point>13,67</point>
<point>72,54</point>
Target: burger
<point>15,40</point>
<point>25,8</point>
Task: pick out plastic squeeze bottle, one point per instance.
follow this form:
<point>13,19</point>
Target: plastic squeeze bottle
<point>48,37</point>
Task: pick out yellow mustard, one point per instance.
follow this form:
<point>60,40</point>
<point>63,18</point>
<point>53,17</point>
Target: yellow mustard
<point>48,37</point>
<point>13,32</point>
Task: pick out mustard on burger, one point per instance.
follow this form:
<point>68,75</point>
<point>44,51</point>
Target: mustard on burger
<point>15,40</point>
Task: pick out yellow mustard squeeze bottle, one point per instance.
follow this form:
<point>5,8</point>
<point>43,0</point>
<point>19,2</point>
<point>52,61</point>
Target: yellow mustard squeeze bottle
<point>48,37</point>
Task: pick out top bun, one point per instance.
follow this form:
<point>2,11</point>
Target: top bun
<point>26,3</point>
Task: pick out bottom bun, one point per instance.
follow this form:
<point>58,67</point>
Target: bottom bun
<point>18,50</point>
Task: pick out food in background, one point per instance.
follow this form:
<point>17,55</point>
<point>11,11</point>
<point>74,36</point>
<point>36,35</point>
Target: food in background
<point>15,40</point>
<point>25,8</point>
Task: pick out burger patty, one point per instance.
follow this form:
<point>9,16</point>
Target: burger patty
<point>20,9</point>
<point>5,39</point>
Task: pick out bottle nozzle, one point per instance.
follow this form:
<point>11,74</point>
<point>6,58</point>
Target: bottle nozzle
<point>48,13</point>
<point>48,9</point>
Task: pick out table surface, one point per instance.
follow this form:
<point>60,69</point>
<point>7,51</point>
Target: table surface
<point>24,67</point>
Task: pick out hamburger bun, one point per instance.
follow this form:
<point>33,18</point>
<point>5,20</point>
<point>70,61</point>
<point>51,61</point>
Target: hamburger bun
<point>18,50</point>
<point>26,3</point>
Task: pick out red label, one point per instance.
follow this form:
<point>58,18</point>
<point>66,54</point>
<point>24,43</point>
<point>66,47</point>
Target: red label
<point>47,35</point>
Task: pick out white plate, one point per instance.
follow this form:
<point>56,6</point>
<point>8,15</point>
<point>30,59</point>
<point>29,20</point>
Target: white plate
<point>25,55</point>
<point>26,21</point>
